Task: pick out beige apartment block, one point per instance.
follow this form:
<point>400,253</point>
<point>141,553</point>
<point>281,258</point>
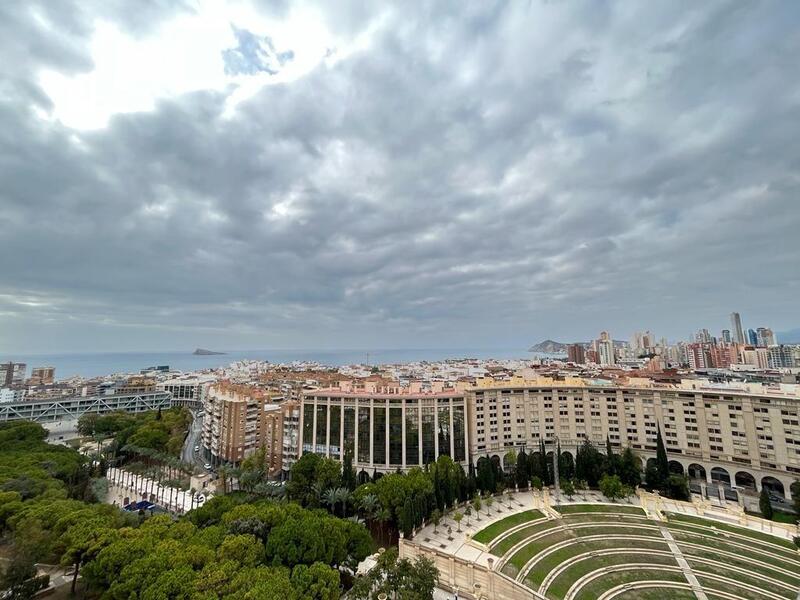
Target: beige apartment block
<point>239,420</point>
<point>740,437</point>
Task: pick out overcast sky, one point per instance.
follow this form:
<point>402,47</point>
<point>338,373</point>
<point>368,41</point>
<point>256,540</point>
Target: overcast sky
<point>394,175</point>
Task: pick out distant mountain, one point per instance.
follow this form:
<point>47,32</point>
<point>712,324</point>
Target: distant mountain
<point>549,347</point>
<point>788,337</point>
<point>204,352</point>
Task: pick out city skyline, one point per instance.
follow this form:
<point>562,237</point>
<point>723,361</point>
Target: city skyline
<point>235,175</point>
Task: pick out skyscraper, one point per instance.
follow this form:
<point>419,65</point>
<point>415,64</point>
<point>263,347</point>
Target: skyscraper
<point>576,354</point>
<point>736,328</point>
<point>726,336</point>
<point>752,337</point>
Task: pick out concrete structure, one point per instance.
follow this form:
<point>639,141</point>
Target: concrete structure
<point>780,357</point>
<point>239,420</point>
<point>72,408</point>
<point>42,375</point>
<point>12,394</point>
<point>187,390</point>
<point>736,328</point>
<point>745,436</point>
<point>576,354</point>
<point>385,427</point>
<point>12,373</point>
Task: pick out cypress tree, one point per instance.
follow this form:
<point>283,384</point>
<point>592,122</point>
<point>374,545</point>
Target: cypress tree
<point>662,464</point>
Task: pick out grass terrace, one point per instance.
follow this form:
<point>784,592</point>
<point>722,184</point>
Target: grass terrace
<point>488,534</point>
<point>594,548</point>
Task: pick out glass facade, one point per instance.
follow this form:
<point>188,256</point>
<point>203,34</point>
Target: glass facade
<point>459,435</point>
<point>396,436</point>
<point>363,434</point>
<point>308,428</point>
<point>428,442</point>
<point>322,427</point>
<point>444,430</point>
<point>335,431</point>
<point>412,436</point>
<point>379,435</point>
<point>386,433</point>
<point>350,430</point>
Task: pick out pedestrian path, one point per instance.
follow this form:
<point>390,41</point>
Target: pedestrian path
<point>687,570</point>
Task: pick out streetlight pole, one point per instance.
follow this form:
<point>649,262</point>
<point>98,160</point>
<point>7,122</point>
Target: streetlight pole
<point>557,490</point>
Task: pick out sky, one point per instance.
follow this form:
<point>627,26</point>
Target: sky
<point>359,174</point>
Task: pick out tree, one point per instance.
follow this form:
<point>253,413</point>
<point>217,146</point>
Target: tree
<point>457,517</point>
<point>436,516</point>
<point>477,505</point>
<point>522,471</point>
<point>677,487</point>
<point>630,468</point>
<point>468,513</point>
<point>348,472</point>
<point>568,488</point>
<point>399,579</point>
<point>662,463</point>
<point>489,501</point>
<point>611,459</point>
<point>765,504</point>
<point>537,483</point>
<point>589,463</point>
<point>611,487</point>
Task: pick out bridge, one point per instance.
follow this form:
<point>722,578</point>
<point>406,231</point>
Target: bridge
<point>73,408</point>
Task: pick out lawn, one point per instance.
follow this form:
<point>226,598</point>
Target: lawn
<point>657,594</point>
<point>541,569</point>
<point>751,579</point>
<point>772,555</point>
<point>758,535</point>
<point>737,559</point>
<point>709,585</point>
<point>601,508</point>
<point>513,539</point>
<point>487,534</point>
<point>596,588</point>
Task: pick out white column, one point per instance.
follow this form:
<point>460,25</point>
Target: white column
<point>403,433</point>
<point>355,438</point>
<point>314,428</point>
<point>341,429</point>
<point>387,413</point>
<point>371,425</point>
<point>435,429</point>
<point>452,430</point>
<point>419,431</point>
<point>328,427</point>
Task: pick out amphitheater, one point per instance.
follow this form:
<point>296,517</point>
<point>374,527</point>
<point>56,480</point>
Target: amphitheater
<point>647,548</point>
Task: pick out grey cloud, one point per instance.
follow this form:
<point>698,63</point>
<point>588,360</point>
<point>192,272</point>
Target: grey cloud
<point>485,175</point>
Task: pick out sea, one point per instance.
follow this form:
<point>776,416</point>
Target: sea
<point>107,363</point>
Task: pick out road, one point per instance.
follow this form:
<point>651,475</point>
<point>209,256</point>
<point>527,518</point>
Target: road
<point>188,455</point>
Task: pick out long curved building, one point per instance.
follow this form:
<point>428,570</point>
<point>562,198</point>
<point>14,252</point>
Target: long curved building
<point>745,437</point>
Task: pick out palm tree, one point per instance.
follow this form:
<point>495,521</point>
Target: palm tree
<point>330,497</point>
<point>369,506</point>
<point>343,495</point>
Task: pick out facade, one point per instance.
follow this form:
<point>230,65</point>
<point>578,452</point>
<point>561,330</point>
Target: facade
<point>290,438</point>
<point>728,436</point>
<point>43,375</point>
<point>745,436</point>
<point>239,420</point>
<point>12,373</point>
<point>12,394</point>
<point>780,357</point>
<point>385,427</point>
<point>576,354</point>
<point>188,390</point>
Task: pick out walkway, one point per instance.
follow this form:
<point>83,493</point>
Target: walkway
<point>687,570</point>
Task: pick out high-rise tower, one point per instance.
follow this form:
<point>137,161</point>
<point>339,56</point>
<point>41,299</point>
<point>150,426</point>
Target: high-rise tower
<point>736,328</point>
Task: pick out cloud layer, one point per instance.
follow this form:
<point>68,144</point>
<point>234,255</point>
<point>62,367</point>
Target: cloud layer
<point>475,176</point>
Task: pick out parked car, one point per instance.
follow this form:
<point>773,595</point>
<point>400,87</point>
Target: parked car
<point>207,466</point>
<point>197,448</point>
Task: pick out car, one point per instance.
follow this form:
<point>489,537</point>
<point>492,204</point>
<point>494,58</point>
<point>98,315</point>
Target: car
<point>200,498</point>
<point>207,466</point>
<point>197,448</point>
